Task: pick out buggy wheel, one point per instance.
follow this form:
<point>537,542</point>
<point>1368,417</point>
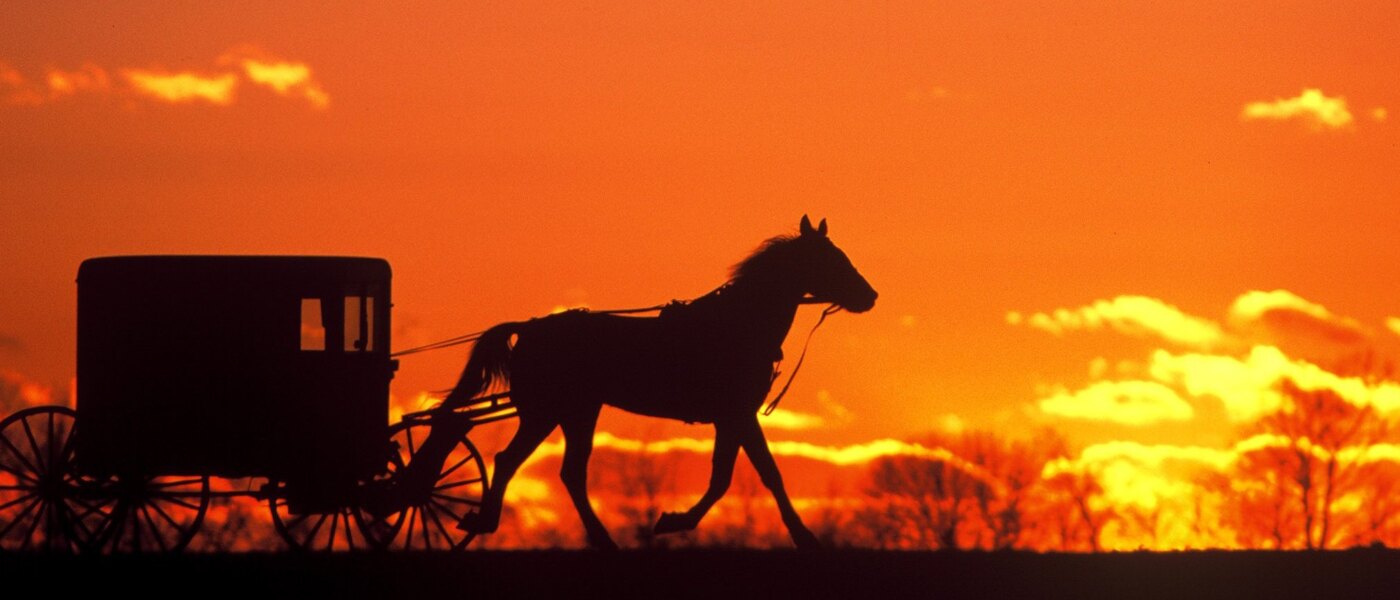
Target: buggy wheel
<point>139,513</point>
<point>431,513</point>
<point>345,527</point>
<point>40,504</point>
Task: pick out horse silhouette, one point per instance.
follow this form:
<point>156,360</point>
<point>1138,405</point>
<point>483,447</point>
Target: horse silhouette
<point>711,360</point>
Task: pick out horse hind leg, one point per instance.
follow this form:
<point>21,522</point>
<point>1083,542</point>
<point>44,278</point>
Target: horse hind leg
<point>532,430</point>
<point>578,446</point>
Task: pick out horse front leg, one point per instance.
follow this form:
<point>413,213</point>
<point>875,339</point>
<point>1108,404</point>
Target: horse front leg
<point>721,472</point>
<point>756,447</point>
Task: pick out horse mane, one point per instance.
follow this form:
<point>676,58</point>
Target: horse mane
<point>770,257</point>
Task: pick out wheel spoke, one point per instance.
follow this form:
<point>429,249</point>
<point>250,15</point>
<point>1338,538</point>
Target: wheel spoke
<point>78,523</point>
<point>168,519</point>
<point>412,518</point>
<point>181,502</point>
<point>467,501</point>
<point>66,451</point>
<point>447,509</point>
<point>20,455</point>
<point>445,535</point>
<point>155,531</point>
<point>19,518</point>
<point>53,458</point>
<point>457,484</point>
<point>17,473</point>
<point>90,509</point>
<point>349,532</point>
<point>425,528</point>
<point>449,472</point>
<point>17,500</point>
<point>330,539</point>
<point>34,526</point>
<point>34,445</point>
<point>314,530</point>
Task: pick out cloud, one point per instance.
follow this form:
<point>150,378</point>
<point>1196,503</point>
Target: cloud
<point>216,87</point>
<point>1132,403</point>
<point>88,78</point>
<point>1248,387</point>
<point>843,456</point>
<point>792,421</point>
<point>1285,311</point>
<point>1311,107</point>
<point>1132,315</point>
<point>1393,324</point>
<point>286,78</point>
<point>183,87</point>
<point>19,392</point>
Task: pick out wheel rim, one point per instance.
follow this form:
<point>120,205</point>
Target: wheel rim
<point>40,508</point>
<point>430,522</point>
<point>147,514</point>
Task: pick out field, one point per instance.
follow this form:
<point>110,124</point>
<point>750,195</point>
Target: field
<point>727,574</point>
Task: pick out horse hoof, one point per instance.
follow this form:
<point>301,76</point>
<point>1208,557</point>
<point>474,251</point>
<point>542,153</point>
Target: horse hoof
<point>806,541</point>
<point>604,544</point>
<point>475,523</point>
<point>671,523</point>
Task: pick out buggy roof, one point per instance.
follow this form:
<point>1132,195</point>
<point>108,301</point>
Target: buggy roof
<point>221,270</point>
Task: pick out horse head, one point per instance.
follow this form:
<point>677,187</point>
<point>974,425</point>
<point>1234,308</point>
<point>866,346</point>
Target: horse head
<point>823,271</point>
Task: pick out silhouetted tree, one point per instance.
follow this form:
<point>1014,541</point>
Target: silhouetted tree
<point>641,482</point>
<point>1314,451</point>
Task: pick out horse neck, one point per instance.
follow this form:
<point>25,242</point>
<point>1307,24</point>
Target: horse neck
<point>760,312</point>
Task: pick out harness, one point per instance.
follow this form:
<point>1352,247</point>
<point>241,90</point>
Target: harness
<point>661,310</point>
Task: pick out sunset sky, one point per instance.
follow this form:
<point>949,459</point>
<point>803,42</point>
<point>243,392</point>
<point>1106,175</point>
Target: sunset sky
<point>1123,222</point>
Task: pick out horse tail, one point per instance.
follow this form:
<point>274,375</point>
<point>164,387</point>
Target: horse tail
<point>488,364</point>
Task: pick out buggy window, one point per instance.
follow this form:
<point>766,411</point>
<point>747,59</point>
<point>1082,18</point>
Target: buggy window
<point>313,329</point>
<point>359,323</point>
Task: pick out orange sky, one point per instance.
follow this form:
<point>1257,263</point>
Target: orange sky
<point>974,159</point>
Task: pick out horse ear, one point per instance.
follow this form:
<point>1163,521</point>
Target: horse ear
<point>806,227</point>
<point>821,227</point>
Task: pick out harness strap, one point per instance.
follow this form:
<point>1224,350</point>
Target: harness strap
<point>768,410</point>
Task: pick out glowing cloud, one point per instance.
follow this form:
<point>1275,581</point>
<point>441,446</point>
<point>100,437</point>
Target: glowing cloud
<point>1249,387</point>
<point>1393,324</point>
<point>89,78</point>
<point>1132,315</point>
<point>853,455</point>
<point>1132,403</point>
<point>792,421</point>
<point>1284,310</point>
<point>1311,106</point>
<point>18,391</point>
<point>183,87</point>
<point>286,78</point>
<point>1135,475</point>
<point>283,77</point>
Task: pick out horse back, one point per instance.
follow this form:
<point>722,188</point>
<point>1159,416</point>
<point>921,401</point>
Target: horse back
<point>671,366</point>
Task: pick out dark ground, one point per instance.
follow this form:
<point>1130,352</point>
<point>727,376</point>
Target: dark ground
<point>723,574</point>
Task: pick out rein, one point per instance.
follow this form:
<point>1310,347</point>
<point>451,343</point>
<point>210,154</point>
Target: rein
<point>475,335</point>
<point>773,405</point>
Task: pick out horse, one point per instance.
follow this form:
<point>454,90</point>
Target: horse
<point>711,360</point>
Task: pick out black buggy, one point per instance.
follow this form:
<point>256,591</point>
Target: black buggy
<point>270,370</point>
